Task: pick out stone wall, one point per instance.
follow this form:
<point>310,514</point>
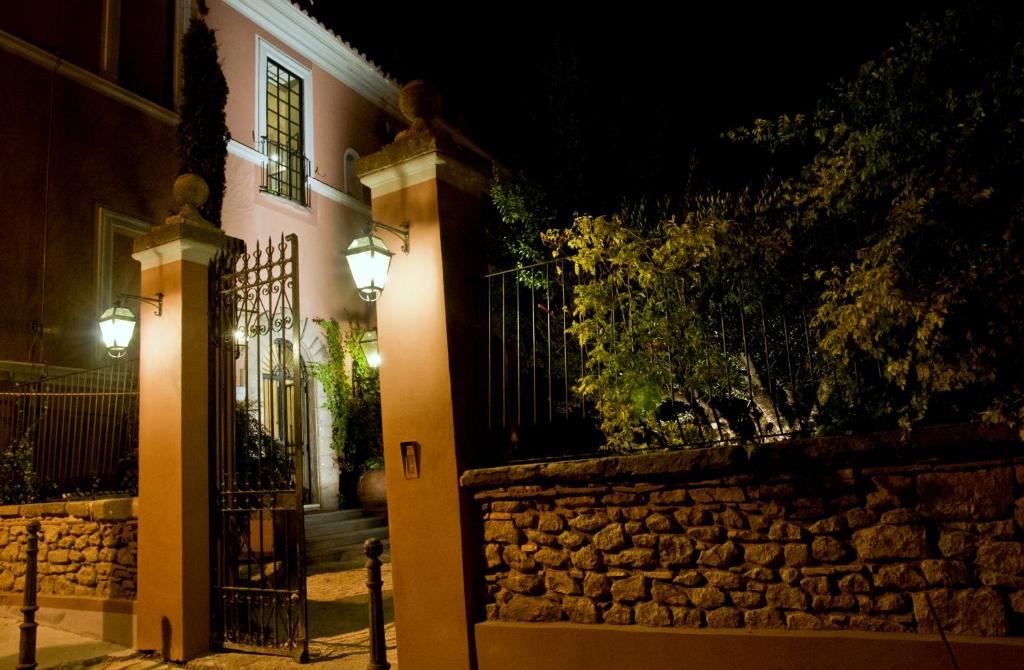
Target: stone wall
<point>86,548</point>
<point>841,533</point>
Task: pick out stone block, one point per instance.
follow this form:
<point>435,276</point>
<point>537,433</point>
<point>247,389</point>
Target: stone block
<point>1002,557</point>
<point>725,617</point>
<point>545,539</point>
<point>818,586</point>
<point>630,589</point>
<point>669,594</point>
<point>611,538</point>
<point>956,544</point>
<point>787,597</point>
<point>828,549</point>
<point>671,497</point>
<point>619,614</point>
<point>686,617</point>
<point>968,612</point>
<point>621,499</point>
<point>885,542</point>
<point>525,608</point>
<point>860,518</point>
<point>497,531</point>
<point>587,558</point>
<point>552,558</point>
<point>589,523</point>
<point>560,582</point>
<point>760,574</point>
<point>723,579</point>
<point>891,602</point>
<point>692,516</point>
<point>899,576</point>
<point>765,617</point>
<point>763,554</point>
<point>796,555</point>
<point>705,533</point>
<point>789,575</point>
<point>825,603</point>
<point>580,610</point>
<point>706,597</point>
<point>718,494</point>
<point>675,550</point>
<point>803,621</point>
<point>747,599</point>
<point>525,520</point>
<point>659,523</point>
<point>899,516</point>
<point>597,585</point>
<point>523,583</point>
<point>514,557</point>
<point>638,558</point>
<point>648,540</point>
<point>113,509</point>
<point>720,556</point>
<point>854,583</point>
<point>689,578</point>
<point>730,518</point>
<point>976,495</point>
<point>652,614</point>
<point>572,539</point>
<point>830,526</point>
<point>783,530</point>
<point>944,573</point>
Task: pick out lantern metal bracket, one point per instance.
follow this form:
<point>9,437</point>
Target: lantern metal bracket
<point>401,231</point>
<point>156,301</point>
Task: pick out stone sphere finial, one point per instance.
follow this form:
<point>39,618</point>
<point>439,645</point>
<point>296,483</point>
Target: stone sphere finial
<point>190,193</point>
<point>190,189</point>
<point>420,102</point>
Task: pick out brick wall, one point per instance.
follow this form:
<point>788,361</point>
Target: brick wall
<point>86,548</point>
<point>842,533</point>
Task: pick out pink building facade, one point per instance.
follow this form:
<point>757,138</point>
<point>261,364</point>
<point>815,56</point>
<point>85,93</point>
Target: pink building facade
<point>302,107</point>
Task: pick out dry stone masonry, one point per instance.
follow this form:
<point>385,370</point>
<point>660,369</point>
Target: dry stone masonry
<point>86,548</point>
<point>849,533</point>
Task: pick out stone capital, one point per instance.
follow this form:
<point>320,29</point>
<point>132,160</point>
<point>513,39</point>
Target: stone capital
<point>177,241</point>
<point>422,158</point>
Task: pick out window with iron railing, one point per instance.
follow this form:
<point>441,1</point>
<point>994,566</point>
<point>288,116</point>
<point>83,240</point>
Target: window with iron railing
<point>286,168</point>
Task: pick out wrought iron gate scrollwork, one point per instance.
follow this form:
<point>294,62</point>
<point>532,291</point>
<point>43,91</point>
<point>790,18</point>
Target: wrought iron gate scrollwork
<point>259,575</point>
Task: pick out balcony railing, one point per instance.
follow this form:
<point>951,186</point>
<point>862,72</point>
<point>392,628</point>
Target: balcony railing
<point>285,172</point>
<point>82,429</point>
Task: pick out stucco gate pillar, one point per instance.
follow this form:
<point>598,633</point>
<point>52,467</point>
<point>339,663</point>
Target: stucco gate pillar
<point>427,329</point>
<point>173,603</point>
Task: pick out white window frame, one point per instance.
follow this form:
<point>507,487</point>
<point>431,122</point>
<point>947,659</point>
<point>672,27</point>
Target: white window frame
<point>264,51</point>
<point>108,224</point>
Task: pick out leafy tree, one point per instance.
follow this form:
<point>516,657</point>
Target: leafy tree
<point>908,208</point>
<point>203,133</point>
<point>892,229</point>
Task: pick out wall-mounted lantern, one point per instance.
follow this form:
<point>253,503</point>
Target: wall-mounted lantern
<point>368,343</point>
<point>369,259</point>
<point>117,324</point>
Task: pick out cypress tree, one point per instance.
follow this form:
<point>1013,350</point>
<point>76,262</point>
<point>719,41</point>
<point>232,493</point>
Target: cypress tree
<point>203,132</point>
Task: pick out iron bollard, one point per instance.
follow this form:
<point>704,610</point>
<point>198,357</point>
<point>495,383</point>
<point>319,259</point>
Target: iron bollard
<point>378,650</point>
<point>27,649</point>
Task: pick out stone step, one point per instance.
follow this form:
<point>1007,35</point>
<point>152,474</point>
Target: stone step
<point>318,518</point>
<point>348,556</point>
<point>348,545</point>
<point>342,527</point>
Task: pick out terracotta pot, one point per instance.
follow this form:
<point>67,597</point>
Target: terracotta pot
<point>373,491</point>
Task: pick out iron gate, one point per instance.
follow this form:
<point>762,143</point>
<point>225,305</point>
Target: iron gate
<point>259,575</point>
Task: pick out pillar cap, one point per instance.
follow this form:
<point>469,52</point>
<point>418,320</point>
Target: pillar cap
<point>420,102</point>
<point>185,235</point>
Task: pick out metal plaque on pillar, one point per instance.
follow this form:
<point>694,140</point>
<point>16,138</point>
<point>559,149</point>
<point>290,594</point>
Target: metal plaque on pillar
<point>259,438</point>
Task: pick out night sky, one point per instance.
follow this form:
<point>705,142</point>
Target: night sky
<point>620,101</point>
